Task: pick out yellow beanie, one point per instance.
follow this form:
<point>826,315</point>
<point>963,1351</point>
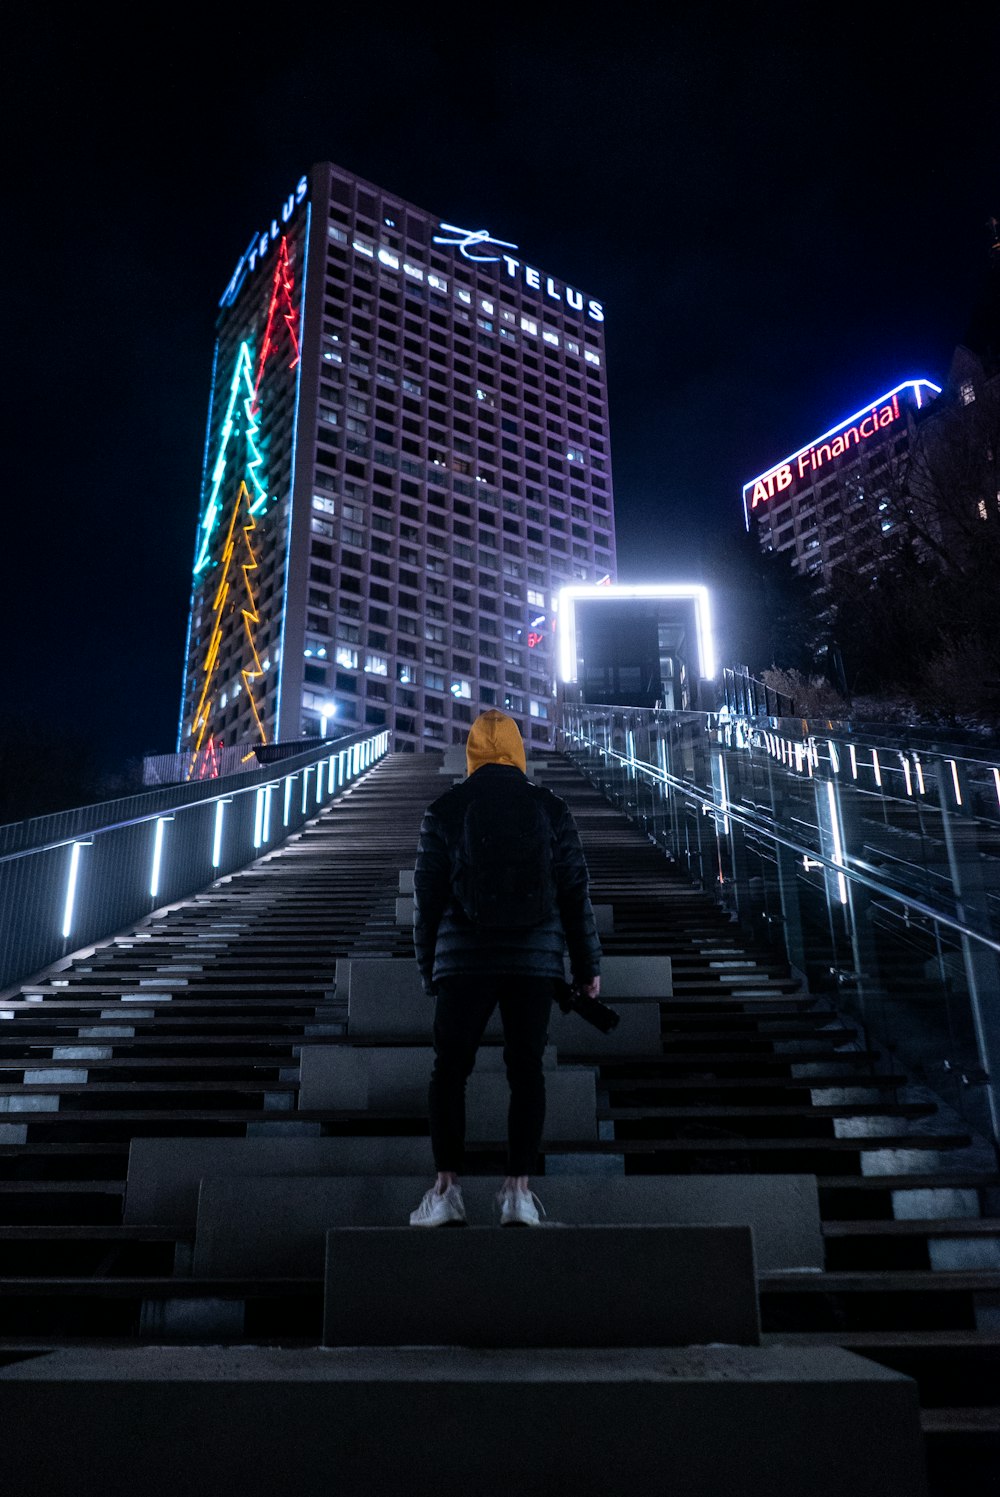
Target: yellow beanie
<point>494,738</point>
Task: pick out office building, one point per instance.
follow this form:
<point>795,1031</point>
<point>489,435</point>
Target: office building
<point>831,502</point>
<point>407,455</point>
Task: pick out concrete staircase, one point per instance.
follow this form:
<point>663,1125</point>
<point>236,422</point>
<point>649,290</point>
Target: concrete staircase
<point>210,1129</point>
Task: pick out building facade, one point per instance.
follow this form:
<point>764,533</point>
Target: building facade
<point>835,501</point>
<point>407,454</point>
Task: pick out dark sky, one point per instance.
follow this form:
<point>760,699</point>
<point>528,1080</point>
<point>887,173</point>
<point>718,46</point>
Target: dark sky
<point>783,219</point>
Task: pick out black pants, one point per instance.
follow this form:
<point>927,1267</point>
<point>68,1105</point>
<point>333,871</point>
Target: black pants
<point>462,1011</point>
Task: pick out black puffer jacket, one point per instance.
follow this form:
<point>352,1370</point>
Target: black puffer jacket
<point>448,945</point>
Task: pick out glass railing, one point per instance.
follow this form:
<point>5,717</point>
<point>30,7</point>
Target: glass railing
<point>77,877</point>
<point>871,864</point>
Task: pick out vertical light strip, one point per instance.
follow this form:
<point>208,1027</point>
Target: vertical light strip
<point>305,788</point>
<point>838,846</point>
<point>996,783</point>
<point>907,777</point>
<point>289,778</point>
<point>319,781</point>
<point>834,756</point>
<point>258,818</point>
<point>920,774</point>
<point>267,812</point>
<point>723,795</point>
<point>220,809</point>
<point>877,768</point>
<point>154,877</point>
<point>70,901</point>
<point>954,781</point>
<point>854,761</point>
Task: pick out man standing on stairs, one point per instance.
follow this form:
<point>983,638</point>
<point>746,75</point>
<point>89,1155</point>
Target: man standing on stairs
<point>500,895</point>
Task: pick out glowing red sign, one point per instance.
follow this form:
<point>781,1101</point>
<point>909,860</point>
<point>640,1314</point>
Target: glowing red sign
<point>534,638</point>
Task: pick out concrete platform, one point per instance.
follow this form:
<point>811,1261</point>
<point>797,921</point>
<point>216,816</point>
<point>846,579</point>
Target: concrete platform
<point>275,1226</point>
<point>697,1422</point>
<point>394,1079</point>
<point>579,1286</point>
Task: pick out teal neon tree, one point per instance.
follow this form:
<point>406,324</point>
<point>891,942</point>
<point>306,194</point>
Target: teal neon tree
<point>239,420</point>
<point>243,408</point>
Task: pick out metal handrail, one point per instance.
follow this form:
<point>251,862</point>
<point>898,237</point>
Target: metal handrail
<point>767,827</point>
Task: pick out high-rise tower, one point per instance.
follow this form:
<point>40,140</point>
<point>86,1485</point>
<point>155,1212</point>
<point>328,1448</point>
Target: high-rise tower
<point>407,454</point>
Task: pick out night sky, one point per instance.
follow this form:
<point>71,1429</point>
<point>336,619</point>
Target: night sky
<point>782,220</point>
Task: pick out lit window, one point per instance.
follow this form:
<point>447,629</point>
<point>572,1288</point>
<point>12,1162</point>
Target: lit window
<point>376,665</point>
<point>966,392</point>
<point>982,510</point>
<point>389,258</point>
<point>328,506</point>
<point>412,270</point>
<point>486,305</point>
<point>575,455</point>
<point>364,248</point>
<point>464,295</point>
<point>548,336</point>
<point>510,317</point>
<point>346,657</point>
<point>461,688</point>
<point>528,325</point>
<point>572,347</point>
<point>336,233</point>
<point>591,357</point>
<point>437,281</point>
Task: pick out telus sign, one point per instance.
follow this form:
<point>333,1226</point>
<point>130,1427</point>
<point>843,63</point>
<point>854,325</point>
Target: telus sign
<point>261,243</point>
<point>804,466</point>
<point>476,244</point>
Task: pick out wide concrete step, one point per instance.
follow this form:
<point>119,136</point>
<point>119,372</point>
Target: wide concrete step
<point>275,1226</point>
<point>395,1079</point>
<point>697,1421</point>
<point>386,1001</point>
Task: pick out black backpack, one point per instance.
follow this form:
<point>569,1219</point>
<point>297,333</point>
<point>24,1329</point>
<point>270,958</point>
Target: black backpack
<point>503,876</point>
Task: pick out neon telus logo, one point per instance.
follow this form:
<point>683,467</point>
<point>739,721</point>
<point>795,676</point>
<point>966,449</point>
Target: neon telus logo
<point>261,243</point>
<point>469,238</point>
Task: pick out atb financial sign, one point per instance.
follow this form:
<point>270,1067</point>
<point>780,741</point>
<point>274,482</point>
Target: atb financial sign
<point>814,462</point>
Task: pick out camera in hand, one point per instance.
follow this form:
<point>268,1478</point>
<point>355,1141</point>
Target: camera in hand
<point>571,1000</point>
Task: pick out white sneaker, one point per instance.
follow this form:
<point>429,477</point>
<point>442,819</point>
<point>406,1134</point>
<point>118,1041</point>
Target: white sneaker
<point>519,1208</point>
<point>440,1209</point>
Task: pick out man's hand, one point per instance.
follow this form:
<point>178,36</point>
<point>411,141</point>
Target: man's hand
<point>590,989</point>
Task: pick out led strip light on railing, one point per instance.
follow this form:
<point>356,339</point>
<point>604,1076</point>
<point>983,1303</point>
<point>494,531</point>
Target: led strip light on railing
<point>350,762</point>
